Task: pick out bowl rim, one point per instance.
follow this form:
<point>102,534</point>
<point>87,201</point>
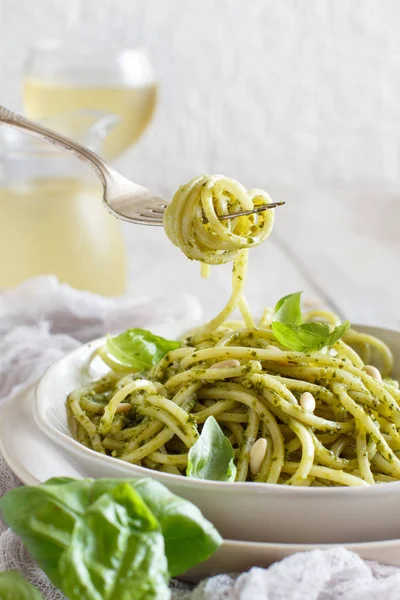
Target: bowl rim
<point>78,450</point>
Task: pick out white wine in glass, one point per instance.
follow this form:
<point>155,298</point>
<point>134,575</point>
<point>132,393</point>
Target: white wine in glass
<point>63,79</point>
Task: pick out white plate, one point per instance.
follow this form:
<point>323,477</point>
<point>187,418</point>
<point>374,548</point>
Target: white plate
<point>252,511</point>
<point>34,459</point>
<point>28,452</point>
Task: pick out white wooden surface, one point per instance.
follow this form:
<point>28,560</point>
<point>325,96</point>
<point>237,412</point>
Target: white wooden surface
<point>341,248</point>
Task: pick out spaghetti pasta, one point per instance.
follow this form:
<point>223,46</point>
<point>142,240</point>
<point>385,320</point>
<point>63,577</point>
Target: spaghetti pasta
<point>239,373</point>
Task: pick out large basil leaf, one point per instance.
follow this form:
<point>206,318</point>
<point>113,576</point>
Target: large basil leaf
<point>14,587</point>
<point>211,457</point>
<point>188,536</point>
<point>46,518</point>
<point>116,552</point>
<point>138,348</point>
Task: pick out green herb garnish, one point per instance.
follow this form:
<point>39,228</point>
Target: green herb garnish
<point>211,457</point>
<point>138,348</point>
<point>14,587</point>
<point>109,539</point>
<point>292,333</point>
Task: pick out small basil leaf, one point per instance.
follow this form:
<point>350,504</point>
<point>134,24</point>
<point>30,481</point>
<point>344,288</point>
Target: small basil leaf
<point>117,552</point>
<point>211,457</point>
<point>290,337</point>
<point>138,348</point>
<point>337,333</point>
<point>14,587</point>
<point>288,309</point>
<point>307,337</point>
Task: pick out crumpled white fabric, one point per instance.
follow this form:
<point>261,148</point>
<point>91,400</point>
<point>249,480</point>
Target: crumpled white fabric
<point>39,322</point>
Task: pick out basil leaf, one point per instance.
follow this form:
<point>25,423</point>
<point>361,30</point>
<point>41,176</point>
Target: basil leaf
<point>14,587</point>
<point>189,538</point>
<point>307,337</point>
<point>211,457</point>
<point>138,348</point>
<point>116,552</point>
<point>288,309</point>
<point>337,333</point>
<point>49,519</point>
<point>288,337</point>
<point>290,331</point>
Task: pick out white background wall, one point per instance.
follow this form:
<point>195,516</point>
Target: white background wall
<point>293,92</point>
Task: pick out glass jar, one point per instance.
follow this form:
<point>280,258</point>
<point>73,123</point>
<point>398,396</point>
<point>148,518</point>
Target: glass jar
<point>52,218</point>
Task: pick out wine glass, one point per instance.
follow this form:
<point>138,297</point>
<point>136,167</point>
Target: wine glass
<point>62,77</point>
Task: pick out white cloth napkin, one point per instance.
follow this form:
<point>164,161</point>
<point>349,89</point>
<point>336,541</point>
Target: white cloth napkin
<point>39,322</point>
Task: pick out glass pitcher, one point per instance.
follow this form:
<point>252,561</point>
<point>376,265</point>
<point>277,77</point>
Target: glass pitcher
<point>52,218</point>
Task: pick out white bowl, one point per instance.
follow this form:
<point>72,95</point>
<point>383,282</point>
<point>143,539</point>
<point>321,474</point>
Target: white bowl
<point>241,511</point>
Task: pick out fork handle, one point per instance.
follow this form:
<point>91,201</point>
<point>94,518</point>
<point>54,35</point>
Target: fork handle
<point>17,121</point>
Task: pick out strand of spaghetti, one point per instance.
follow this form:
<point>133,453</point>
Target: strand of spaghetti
<point>344,351</point>
<point>329,459</point>
<point>188,438</point>
<point>321,315</point>
<point>378,462</point>
<point>356,337</point>
<point>212,374</point>
<point>326,473</point>
<point>263,474</point>
<point>238,282</point>
<point>169,459</point>
<point>368,424</point>
<point>231,417</point>
<point>245,311</point>
<point>85,422</point>
<point>294,410</point>
<point>147,448</point>
<point>362,456</point>
<point>237,431</point>
<point>186,401</point>
<point>339,445</point>
<point>109,411</point>
<point>157,372</point>
<point>307,457</point>
<point>249,439</point>
<point>167,405</point>
<point>216,410</point>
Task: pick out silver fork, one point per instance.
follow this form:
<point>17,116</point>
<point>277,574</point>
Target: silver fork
<point>124,199</point>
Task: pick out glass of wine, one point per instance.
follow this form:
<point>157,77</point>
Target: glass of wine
<point>62,77</point>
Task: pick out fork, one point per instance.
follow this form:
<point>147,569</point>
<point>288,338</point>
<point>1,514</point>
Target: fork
<point>123,198</point>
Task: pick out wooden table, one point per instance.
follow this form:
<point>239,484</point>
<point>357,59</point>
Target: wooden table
<point>341,248</point>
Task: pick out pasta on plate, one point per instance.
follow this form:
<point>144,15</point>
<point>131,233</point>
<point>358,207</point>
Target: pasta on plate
<point>297,384</point>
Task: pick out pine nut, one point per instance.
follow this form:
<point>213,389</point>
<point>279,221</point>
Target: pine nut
<point>257,455</point>
<point>372,372</point>
<point>307,401</point>
<point>223,364</point>
<point>123,407</point>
